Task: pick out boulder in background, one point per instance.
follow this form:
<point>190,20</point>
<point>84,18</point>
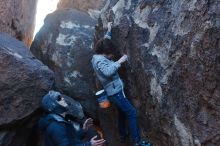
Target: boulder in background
<point>23,82</point>
<point>18,19</point>
<point>64,44</point>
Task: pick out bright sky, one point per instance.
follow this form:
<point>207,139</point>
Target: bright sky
<point>44,7</point>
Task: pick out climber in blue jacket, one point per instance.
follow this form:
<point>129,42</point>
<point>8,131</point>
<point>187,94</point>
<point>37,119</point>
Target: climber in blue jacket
<point>59,131</point>
<point>107,72</point>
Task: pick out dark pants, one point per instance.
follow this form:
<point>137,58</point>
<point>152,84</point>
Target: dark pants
<point>126,110</point>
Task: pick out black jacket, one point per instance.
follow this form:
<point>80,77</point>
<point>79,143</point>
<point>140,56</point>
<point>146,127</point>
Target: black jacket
<point>59,132</point>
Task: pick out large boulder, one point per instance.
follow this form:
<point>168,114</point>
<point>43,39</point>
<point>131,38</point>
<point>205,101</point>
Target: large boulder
<point>83,5</point>
<point>18,18</point>
<point>64,44</point>
<point>23,82</point>
<point>91,7</point>
<point>173,70</point>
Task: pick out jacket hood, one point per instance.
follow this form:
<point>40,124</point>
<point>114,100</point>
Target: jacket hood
<point>51,104</point>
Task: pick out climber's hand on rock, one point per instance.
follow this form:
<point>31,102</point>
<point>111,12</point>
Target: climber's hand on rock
<point>123,59</point>
<point>110,26</point>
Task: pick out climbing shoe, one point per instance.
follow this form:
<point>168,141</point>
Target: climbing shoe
<point>143,143</point>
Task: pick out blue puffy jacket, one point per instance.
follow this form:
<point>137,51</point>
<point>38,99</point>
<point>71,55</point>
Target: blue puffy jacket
<point>59,132</point>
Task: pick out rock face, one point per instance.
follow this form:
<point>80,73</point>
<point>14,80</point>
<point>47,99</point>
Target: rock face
<point>23,82</point>
<point>83,5</point>
<point>64,44</point>
<point>18,18</point>
<point>173,71</point>
<point>92,7</point>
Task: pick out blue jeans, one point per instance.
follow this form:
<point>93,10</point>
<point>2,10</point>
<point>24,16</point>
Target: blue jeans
<point>126,110</point>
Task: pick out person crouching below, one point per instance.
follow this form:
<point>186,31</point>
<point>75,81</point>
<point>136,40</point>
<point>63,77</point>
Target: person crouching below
<point>60,131</point>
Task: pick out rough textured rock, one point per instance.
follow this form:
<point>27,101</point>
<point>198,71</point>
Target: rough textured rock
<point>83,5</point>
<point>18,18</point>
<point>23,82</point>
<point>92,7</point>
<point>64,44</point>
<point>173,71</point>
<point>22,133</point>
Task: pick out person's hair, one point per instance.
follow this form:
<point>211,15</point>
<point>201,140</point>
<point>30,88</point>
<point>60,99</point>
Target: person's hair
<point>105,46</point>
